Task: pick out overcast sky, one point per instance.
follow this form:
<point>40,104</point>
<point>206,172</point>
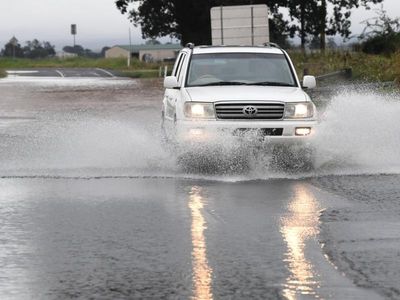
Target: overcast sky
<point>99,22</point>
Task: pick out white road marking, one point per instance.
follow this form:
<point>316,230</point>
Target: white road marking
<point>60,73</point>
<point>21,72</point>
<point>105,71</point>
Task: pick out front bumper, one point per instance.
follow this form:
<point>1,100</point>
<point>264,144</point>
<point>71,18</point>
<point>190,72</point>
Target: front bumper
<point>282,131</point>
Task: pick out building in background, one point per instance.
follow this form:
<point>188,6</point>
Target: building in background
<point>63,54</point>
<point>146,53</point>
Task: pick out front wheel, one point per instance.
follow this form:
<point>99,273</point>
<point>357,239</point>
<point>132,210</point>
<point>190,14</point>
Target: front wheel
<point>294,158</point>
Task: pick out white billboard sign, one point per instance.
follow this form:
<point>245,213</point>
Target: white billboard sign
<point>240,25</point>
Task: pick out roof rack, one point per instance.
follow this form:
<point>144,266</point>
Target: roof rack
<point>267,44</point>
<point>274,45</point>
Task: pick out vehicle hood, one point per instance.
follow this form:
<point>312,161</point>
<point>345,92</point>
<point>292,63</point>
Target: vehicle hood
<point>246,93</point>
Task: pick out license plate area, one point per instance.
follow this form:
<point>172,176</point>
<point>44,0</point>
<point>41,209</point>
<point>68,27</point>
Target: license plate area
<point>258,131</point>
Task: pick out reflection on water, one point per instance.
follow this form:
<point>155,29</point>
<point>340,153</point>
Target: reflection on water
<point>16,240</point>
<point>201,271</point>
<point>300,225</point>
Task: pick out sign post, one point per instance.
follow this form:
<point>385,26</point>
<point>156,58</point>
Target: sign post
<point>240,25</point>
<point>73,31</point>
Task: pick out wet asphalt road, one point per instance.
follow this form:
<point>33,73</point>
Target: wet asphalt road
<point>62,72</point>
<point>93,207</point>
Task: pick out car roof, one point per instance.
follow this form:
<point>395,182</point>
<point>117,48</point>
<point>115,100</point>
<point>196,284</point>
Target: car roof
<point>236,49</point>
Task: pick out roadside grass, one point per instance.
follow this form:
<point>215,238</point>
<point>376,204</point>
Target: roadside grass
<point>75,62</point>
<point>2,73</point>
<point>369,68</point>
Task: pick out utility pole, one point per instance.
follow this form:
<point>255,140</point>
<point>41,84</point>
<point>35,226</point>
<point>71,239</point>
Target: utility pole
<point>130,48</point>
<point>14,43</point>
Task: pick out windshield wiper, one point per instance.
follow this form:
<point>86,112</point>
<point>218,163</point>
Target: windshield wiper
<point>222,83</point>
<point>271,83</point>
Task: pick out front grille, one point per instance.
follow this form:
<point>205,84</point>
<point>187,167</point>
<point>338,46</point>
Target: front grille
<point>235,111</point>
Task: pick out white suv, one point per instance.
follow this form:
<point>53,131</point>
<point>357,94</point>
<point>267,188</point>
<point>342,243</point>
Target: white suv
<point>235,89</point>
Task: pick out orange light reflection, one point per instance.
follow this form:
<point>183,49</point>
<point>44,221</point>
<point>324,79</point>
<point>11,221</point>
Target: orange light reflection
<point>300,225</point>
<point>202,273</point>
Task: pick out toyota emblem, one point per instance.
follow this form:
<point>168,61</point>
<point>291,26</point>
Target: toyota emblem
<point>250,111</point>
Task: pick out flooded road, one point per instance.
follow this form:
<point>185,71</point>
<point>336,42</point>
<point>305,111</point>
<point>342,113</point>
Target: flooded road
<point>93,206</point>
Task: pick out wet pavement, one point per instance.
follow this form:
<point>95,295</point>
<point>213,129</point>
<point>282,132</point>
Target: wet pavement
<point>61,72</point>
<point>94,207</point>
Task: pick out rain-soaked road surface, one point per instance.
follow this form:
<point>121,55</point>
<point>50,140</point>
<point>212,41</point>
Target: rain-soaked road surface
<point>93,207</point>
<point>62,72</point>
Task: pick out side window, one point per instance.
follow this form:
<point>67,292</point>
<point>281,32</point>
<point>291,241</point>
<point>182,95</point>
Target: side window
<point>177,64</point>
<point>180,66</point>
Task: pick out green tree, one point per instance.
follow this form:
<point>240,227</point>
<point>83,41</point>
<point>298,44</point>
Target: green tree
<point>313,19</point>
<point>381,34</point>
<point>37,49</point>
<point>77,49</point>
<point>188,20</point>
<point>315,42</point>
<point>305,12</point>
<point>279,30</point>
<point>89,53</point>
<point>331,43</point>
<point>12,49</point>
<point>103,51</point>
<point>153,42</point>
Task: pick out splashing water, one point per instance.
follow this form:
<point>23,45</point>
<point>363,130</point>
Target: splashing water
<point>90,148</point>
<point>358,134</point>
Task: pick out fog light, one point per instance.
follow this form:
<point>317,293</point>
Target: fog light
<point>303,131</point>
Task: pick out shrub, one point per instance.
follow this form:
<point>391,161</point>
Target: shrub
<point>381,34</point>
<point>382,44</point>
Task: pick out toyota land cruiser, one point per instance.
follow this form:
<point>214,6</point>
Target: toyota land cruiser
<point>236,89</point>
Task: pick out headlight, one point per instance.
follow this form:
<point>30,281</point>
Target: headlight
<point>199,110</point>
<point>299,110</point>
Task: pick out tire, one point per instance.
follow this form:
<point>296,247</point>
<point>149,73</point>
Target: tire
<point>293,158</point>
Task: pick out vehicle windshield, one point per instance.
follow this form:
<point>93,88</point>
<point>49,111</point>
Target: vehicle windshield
<point>240,69</point>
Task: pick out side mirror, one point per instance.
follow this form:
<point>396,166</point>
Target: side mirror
<point>171,82</point>
<point>309,82</point>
